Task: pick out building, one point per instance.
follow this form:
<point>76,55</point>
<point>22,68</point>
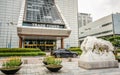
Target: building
<point>69,9</point>
<point>106,26</point>
<point>37,23</point>
<point>83,19</point>
<point>9,13</point>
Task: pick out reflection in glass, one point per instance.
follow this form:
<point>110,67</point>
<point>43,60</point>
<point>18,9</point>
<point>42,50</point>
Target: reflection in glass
<point>43,11</point>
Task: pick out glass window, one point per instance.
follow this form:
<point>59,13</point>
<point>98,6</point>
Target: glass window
<point>42,11</point>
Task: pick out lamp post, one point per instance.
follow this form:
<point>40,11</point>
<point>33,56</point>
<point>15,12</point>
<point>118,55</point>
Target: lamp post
<point>0,30</point>
<point>10,33</point>
<point>7,35</point>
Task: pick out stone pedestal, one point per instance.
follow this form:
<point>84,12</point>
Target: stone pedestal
<point>98,64</point>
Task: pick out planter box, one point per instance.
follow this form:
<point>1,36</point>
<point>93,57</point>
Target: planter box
<point>45,62</point>
<point>54,68</point>
<point>11,70</point>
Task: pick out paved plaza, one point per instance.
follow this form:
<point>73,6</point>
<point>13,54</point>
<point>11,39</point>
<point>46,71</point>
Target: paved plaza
<point>34,66</point>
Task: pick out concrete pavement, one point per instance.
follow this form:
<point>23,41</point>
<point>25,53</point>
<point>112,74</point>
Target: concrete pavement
<point>35,66</point>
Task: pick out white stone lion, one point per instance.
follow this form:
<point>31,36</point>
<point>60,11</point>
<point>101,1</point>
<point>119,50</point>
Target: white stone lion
<point>95,49</point>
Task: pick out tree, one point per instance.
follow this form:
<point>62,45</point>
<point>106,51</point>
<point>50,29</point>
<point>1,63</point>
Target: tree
<point>115,40</point>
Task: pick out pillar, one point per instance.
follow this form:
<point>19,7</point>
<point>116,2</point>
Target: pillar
<point>62,43</point>
<point>20,42</point>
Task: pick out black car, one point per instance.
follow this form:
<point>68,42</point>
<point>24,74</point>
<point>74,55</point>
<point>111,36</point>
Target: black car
<point>64,53</point>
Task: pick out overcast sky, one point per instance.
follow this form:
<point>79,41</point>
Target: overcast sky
<point>98,8</point>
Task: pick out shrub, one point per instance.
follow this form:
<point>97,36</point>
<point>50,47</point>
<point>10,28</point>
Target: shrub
<point>118,50</point>
<point>41,53</point>
<point>19,50</point>
<point>22,54</point>
<point>12,62</point>
<point>76,49</point>
<point>47,58</point>
<point>52,60</point>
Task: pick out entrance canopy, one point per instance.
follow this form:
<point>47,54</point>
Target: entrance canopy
<point>38,31</point>
<point>41,20</point>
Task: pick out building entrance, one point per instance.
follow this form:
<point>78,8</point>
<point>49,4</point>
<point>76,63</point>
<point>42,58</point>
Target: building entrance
<point>44,45</point>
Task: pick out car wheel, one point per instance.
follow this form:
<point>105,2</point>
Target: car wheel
<point>74,55</point>
<point>58,55</point>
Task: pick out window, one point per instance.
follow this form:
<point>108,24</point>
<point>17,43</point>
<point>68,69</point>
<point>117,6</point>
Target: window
<point>42,11</point>
<point>106,24</point>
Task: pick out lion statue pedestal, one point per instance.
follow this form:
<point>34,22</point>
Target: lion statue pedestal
<point>97,53</point>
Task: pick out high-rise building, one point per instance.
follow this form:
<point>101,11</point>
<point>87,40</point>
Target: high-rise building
<point>38,23</point>
<point>83,19</point>
<point>9,13</point>
<point>69,9</point>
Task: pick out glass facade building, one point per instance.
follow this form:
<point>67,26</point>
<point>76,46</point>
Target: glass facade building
<point>36,24</point>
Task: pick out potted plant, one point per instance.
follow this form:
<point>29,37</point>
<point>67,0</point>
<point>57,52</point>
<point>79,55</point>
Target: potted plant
<point>54,64</point>
<point>46,59</point>
<point>11,65</point>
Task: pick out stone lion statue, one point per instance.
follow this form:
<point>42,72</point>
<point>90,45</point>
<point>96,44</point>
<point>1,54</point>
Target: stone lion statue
<point>95,49</point>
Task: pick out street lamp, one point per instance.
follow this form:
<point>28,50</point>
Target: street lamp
<point>7,36</point>
<point>10,40</point>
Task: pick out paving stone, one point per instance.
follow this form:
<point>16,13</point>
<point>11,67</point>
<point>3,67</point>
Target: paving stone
<point>69,68</point>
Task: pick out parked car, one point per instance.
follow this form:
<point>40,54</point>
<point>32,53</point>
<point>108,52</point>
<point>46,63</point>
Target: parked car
<point>64,53</point>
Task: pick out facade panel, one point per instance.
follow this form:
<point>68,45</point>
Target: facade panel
<point>69,9</point>
<point>116,23</point>
<point>9,13</point>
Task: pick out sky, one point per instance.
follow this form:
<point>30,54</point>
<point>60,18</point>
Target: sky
<point>98,8</point>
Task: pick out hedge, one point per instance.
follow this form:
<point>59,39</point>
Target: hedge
<point>23,54</point>
<point>76,49</point>
<point>118,50</point>
<point>19,50</point>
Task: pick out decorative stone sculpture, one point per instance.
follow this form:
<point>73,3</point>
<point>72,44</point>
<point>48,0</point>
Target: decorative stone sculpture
<point>97,52</point>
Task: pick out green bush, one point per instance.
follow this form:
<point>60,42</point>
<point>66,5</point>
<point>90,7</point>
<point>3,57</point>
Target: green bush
<point>76,49</point>
<point>19,50</point>
<point>52,60</point>
<point>41,53</point>
<point>118,50</point>
<point>22,54</point>
<point>79,52</point>
<point>12,61</point>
